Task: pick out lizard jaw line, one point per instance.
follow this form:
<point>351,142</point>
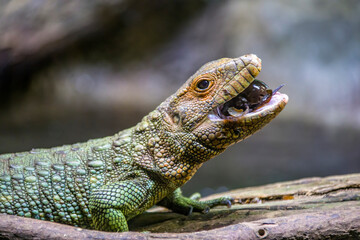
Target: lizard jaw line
<point>277,101</point>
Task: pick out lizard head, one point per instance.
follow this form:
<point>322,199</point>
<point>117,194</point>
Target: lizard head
<point>223,103</point>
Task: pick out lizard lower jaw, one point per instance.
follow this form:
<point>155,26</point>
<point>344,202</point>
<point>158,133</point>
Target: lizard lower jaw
<point>276,104</point>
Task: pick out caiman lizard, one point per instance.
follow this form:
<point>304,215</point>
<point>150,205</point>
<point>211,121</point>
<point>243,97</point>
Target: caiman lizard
<point>102,183</point>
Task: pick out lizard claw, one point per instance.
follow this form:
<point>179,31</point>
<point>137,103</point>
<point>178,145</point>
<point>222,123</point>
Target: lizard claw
<point>228,203</point>
<point>206,210</point>
<point>191,208</point>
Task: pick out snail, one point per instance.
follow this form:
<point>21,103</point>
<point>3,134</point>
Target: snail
<point>254,96</point>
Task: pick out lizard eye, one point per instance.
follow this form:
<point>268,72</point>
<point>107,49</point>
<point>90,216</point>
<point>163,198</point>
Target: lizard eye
<point>203,84</point>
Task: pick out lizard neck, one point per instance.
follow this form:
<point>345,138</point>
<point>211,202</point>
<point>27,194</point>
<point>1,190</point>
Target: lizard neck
<point>159,146</point>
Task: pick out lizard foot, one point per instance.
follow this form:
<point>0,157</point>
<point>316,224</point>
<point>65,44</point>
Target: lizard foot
<point>184,205</point>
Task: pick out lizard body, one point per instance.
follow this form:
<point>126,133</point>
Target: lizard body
<point>102,183</point>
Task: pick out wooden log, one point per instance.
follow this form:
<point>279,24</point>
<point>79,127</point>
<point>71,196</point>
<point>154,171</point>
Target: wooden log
<point>312,208</point>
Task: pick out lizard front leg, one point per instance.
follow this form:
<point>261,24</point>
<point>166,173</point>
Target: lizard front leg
<point>113,204</point>
<point>180,204</point>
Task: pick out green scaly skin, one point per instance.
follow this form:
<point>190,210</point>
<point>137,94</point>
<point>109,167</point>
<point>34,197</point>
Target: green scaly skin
<point>102,183</point>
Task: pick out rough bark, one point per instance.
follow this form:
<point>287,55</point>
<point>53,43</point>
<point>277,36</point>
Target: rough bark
<point>312,208</point>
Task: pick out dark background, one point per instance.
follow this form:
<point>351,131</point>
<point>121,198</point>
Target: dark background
<point>71,71</point>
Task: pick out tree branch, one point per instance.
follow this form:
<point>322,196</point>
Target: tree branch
<point>313,208</point>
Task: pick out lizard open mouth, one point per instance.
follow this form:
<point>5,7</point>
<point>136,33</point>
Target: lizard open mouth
<point>251,100</point>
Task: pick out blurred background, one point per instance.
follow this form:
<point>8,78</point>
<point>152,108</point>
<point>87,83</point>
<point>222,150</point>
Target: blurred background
<point>75,70</point>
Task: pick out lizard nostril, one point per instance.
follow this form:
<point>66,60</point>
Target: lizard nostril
<point>176,118</point>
